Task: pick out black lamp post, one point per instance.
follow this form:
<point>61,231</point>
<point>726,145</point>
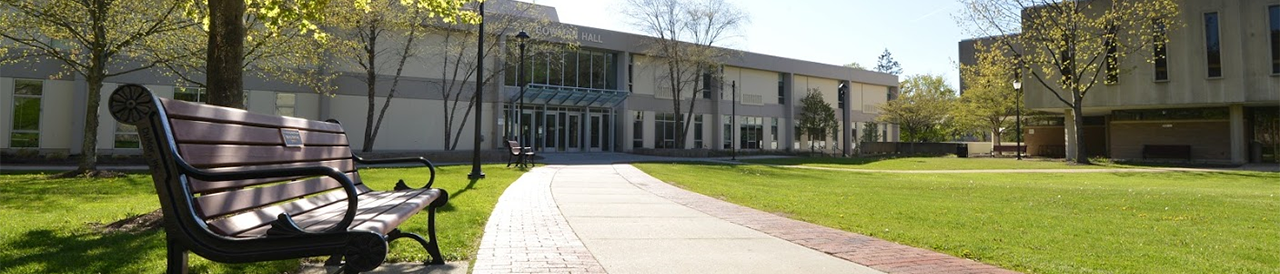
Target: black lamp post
<point>733,119</point>
<point>842,91</point>
<point>476,173</point>
<point>1017,86</point>
<point>522,36</point>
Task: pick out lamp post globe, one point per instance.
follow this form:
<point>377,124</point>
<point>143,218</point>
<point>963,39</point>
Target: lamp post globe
<point>1017,86</point>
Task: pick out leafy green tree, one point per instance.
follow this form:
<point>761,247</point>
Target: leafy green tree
<point>989,104</point>
<point>921,108</point>
<point>290,54</point>
<point>855,65</point>
<point>225,56</point>
<point>817,117</point>
<point>96,39</point>
<point>1066,48</point>
<point>886,64</point>
<point>870,132</point>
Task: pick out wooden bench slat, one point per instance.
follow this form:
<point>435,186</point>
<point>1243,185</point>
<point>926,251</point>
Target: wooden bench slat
<point>192,131</point>
<point>371,205</point>
<point>382,216</point>
<point>203,187</point>
<point>206,155</point>
<point>222,203</point>
<point>394,216</point>
<point>239,223</point>
<point>203,112</point>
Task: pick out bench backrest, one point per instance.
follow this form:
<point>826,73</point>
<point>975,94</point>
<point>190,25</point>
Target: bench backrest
<point>227,139</point>
<point>515,147</point>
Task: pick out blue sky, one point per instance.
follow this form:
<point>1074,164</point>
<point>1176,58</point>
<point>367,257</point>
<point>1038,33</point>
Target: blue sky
<point>921,34</point>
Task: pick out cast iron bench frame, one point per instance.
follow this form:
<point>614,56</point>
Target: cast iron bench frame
<point>233,192</point>
<point>1001,149</point>
<point>521,156</point>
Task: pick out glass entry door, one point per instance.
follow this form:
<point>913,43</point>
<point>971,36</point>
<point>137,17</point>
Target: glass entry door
<point>594,135</point>
<point>553,131</point>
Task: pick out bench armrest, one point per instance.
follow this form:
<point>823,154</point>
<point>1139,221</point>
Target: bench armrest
<point>347,185</point>
<point>422,160</point>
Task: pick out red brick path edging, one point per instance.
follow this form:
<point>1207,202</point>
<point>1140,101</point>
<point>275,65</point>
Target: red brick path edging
<point>526,233</point>
<point>861,249</point>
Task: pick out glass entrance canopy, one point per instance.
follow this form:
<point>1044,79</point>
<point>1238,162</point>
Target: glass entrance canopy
<point>536,94</point>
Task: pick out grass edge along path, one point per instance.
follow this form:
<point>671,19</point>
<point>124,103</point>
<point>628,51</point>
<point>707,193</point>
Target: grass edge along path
<point>1167,222</point>
<point>891,163</point>
<point>55,235</point>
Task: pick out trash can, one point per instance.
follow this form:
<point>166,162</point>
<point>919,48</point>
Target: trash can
<point>962,150</point>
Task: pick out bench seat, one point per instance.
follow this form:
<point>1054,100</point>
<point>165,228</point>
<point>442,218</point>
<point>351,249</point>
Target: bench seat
<point>236,186</point>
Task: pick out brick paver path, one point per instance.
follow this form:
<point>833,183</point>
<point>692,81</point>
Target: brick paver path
<point>527,233</point>
<point>876,253</point>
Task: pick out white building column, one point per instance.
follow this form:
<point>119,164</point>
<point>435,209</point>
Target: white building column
<point>1239,147</point>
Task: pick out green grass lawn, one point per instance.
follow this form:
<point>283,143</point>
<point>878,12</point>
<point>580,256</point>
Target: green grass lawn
<point>46,222</point>
<point>927,163</point>
<point>1172,222</point>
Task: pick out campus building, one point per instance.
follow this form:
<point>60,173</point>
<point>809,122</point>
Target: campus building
<point>1216,90</point>
<point>604,94</point>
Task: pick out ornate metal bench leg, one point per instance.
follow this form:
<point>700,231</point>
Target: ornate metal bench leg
<point>177,257</point>
<point>432,247</point>
<point>335,260</point>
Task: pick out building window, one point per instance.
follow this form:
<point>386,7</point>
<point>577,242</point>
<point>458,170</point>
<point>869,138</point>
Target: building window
<point>1113,61</point>
<point>581,68</point>
<point>26,113</point>
<point>782,88</point>
<point>198,95</point>
<point>1274,13</point>
<point>286,103</point>
<point>126,136</point>
<point>727,131</point>
<point>664,133</point>
<point>752,131</point>
<point>1160,52</point>
<point>773,130</point>
<point>697,131</point>
<point>1213,44</point>
<point>637,130</point>
<point>706,85</point>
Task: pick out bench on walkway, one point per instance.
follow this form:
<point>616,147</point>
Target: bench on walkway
<point>521,156</point>
<point>237,187</point>
<point>1001,149</point>
<point>1166,152</point>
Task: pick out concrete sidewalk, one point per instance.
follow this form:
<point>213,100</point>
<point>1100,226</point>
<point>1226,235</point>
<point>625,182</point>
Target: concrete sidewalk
<point>607,224</point>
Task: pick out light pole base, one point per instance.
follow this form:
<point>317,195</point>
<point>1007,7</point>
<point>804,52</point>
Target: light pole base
<point>474,176</point>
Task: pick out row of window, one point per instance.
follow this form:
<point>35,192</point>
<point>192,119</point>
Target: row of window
<point>583,68</point>
<point>1212,47</point>
<point>28,94</point>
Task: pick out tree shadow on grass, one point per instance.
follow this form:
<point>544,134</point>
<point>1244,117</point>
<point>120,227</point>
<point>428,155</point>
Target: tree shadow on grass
<point>50,251</point>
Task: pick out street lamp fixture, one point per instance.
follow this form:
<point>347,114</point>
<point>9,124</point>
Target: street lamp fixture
<point>519,111</point>
<point>1017,86</point>
<point>476,173</point>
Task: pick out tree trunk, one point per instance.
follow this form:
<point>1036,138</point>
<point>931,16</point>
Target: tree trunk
<point>225,54</point>
<point>1081,158</point>
<point>89,146</point>
<point>371,80</point>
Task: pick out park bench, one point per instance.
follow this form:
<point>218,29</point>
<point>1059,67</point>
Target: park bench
<point>1166,152</point>
<point>1001,149</point>
<point>237,187</point>
<point>521,156</point>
